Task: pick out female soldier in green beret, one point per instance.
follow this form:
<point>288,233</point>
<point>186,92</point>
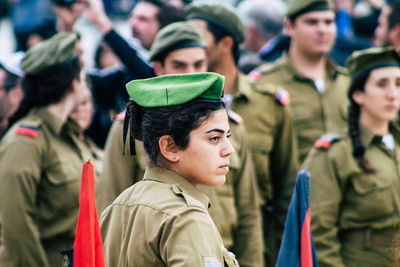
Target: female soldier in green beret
<point>163,220</point>
<point>41,159</point>
<point>355,177</point>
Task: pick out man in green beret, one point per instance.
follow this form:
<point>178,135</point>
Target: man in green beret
<point>179,48</point>
<point>268,125</point>
<point>316,86</point>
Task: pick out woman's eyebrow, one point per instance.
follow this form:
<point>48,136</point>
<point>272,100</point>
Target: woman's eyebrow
<point>217,130</point>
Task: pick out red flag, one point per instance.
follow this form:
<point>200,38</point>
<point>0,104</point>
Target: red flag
<point>88,247</point>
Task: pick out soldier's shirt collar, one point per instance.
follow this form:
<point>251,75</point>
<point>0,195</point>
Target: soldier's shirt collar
<point>242,89</point>
<point>331,69</point>
<point>169,177</point>
<point>368,137</point>
<point>52,121</point>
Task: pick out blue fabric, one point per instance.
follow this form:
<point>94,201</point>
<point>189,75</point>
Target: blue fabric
<point>289,252</point>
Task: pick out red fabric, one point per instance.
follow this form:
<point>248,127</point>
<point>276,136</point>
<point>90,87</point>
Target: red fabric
<point>323,143</point>
<point>306,257</point>
<point>88,247</point>
<point>27,131</point>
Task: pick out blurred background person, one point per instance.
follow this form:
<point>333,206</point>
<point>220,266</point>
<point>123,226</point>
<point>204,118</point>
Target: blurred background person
<point>83,115</point>
<point>263,21</point>
<point>11,92</point>
<point>316,85</point>
<point>388,31</point>
<point>105,58</point>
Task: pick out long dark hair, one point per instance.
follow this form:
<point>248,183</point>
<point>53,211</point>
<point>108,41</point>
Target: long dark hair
<point>47,87</point>
<point>358,84</point>
<point>150,124</point>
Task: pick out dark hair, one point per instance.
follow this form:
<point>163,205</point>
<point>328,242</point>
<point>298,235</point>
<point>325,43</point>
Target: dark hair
<point>150,124</point>
<point>394,16</point>
<point>47,87</point>
<point>167,13</point>
<point>358,84</point>
<point>11,81</point>
<point>219,33</point>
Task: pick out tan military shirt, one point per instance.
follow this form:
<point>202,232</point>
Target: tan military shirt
<point>271,139</point>
<point>234,205</point>
<point>270,134</point>
<point>41,161</point>
<point>162,221</point>
<point>345,199</point>
<point>313,113</point>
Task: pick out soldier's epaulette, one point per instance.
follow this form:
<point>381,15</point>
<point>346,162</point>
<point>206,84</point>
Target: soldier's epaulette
<point>121,116</point>
<point>236,118</point>
<point>327,140</point>
<point>27,129</point>
<point>282,96</point>
<point>190,201</point>
<point>260,71</point>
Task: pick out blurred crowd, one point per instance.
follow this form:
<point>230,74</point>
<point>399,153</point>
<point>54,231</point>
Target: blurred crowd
<point>269,57</point>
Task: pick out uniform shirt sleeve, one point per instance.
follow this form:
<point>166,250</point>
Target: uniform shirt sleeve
<point>325,199</point>
<point>284,165</point>
<point>248,243</point>
<point>190,238</point>
<point>136,65</point>
<point>20,172</point>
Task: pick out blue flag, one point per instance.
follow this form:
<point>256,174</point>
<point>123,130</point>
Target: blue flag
<point>297,247</point>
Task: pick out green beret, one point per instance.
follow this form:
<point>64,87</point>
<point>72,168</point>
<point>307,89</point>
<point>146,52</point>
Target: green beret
<point>363,61</point>
<point>175,36</point>
<point>54,51</point>
<point>295,8</point>
<point>219,15</point>
<point>175,89</point>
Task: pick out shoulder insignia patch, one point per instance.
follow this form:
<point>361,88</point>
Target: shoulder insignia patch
<point>121,116</point>
<point>255,74</point>
<point>282,96</point>
<point>326,140</point>
<point>27,130</point>
<point>236,118</point>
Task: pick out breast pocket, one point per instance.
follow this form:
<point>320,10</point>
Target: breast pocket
<point>373,197</point>
<point>61,184</point>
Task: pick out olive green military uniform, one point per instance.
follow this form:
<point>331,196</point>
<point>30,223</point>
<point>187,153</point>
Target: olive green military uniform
<point>234,205</point>
<point>313,113</point>
<point>354,214</point>
<point>164,219</point>
<point>273,146</point>
<point>41,161</point>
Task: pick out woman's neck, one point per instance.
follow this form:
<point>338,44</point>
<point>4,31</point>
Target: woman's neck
<point>378,127</point>
<point>63,108</point>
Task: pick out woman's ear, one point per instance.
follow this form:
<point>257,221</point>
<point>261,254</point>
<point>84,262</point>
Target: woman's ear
<point>358,97</point>
<point>168,148</point>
